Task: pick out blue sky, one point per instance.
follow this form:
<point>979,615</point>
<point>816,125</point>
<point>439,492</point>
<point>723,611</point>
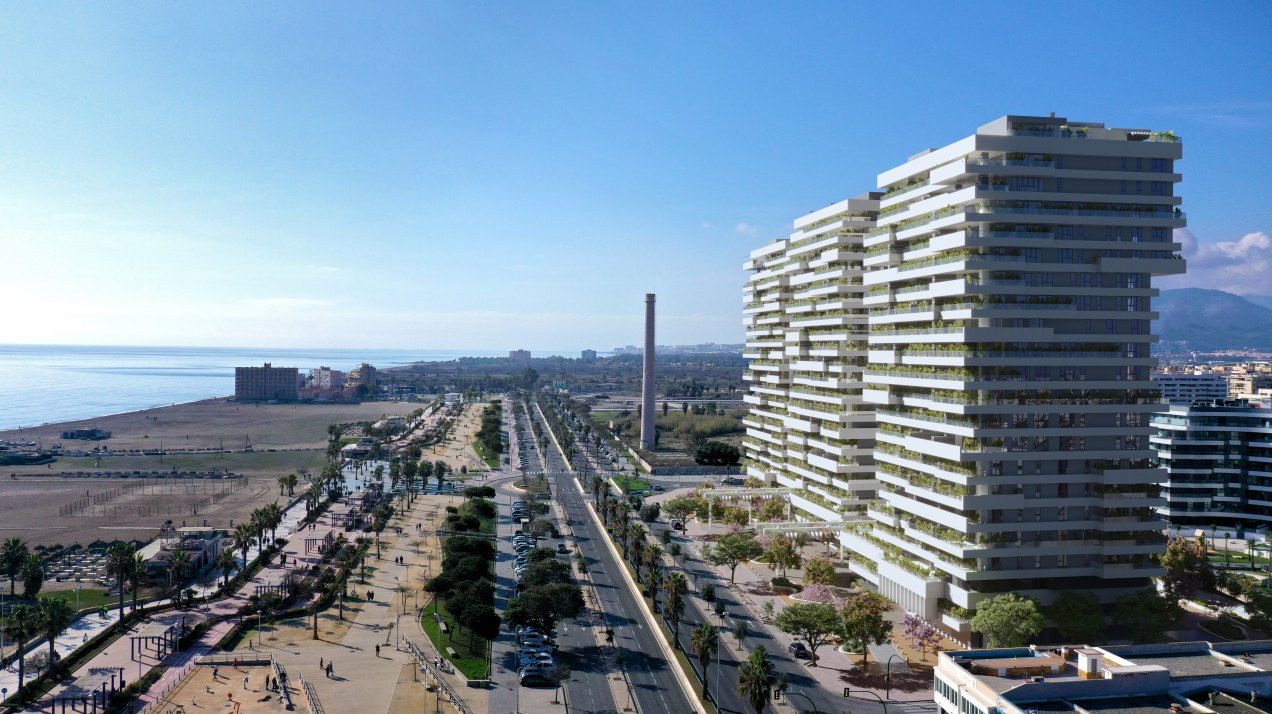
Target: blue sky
<point>498,175</point>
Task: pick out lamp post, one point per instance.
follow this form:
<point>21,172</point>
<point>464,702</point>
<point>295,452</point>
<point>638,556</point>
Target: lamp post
<point>849,693</point>
<point>887,676</point>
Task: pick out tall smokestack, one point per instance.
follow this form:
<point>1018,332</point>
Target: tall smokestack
<point>647,388</point>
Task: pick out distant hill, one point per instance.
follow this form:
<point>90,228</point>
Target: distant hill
<point>1209,320</point>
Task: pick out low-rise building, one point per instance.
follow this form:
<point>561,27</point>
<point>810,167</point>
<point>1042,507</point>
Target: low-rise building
<point>363,374</point>
<point>1187,388</point>
<point>588,355</point>
<point>520,357</point>
<point>1197,677</point>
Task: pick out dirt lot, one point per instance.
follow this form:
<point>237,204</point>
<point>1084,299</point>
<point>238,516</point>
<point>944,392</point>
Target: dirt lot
<point>209,423</point>
<point>38,509</point>
<point>34,505</point>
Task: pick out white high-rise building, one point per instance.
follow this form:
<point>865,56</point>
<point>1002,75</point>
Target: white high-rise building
<point>1008,283</point>
<point>806,339</point>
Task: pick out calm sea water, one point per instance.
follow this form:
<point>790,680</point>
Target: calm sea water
<point>42,384</point>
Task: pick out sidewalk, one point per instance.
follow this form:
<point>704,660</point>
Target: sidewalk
<point>835,670</point>
<point>118,654</point>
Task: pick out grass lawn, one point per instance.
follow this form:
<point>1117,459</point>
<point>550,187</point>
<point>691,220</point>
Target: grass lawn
<point>632,485</point>
<point>472,662</point>
<point>487,524</point>
<point>491,460</point>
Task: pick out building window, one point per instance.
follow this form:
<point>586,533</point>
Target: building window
<point>1139,164</point>
<point>1159,166</point>
<point>1139,187</point>
<point>1123,187</point>
<point>1159,188</point>
<point>1123,165</point>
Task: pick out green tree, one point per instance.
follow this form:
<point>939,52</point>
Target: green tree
<point>1187,568</point>
<point>756,680</point>
<point>21,624</point>
<point>226,562</point>
<point>1078,617</point>
<point>717,453</point>
<point>812,622</point>
<point>781,554</point>
<point>178,564</point>
<point>291,482</point>
<point>704,639</point>
<point>675,586</point>
<point>32,576</point>
<point>137,574</point>
<point>55,615</point>
<point>819,571</point>
<point>244,537</point>
<point>14,557</point>
<point>864,622</point>
<point>119,564</point>
<point>732,550</point>
<point>1008,620</point>
<point>1146,614</point>
<point>544,605</point>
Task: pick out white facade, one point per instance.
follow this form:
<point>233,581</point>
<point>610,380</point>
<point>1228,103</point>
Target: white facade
<point>1008,284</point>
<point>809,428</point>
<point>1178,388</point>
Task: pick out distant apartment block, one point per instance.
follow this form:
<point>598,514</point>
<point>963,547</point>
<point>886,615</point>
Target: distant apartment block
<point>520,357</point>
<point>326,378</point>
<point>268,383</point>
<point>588,355</point>
<point>1177,388</point>
<point>1242,386</point>
<point>975,338</point>
<point>1218,458</point>
<point>363,374</point>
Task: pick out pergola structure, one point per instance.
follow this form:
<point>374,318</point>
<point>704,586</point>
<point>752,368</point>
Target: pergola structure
<point>91,691</point>
<point>319,545</point>
<point>821,530</point>
<point>158,638</point>
<point>747,494</point>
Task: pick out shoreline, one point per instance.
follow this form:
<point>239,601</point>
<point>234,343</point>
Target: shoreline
<point>156,407</point>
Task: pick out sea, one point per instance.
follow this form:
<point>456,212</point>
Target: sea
<point>42,384</point>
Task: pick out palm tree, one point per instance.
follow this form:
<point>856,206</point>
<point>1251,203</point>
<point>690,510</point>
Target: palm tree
<point>244,538</point>
<point>282,484</point>
<point>704,640</point>
<point>55,615</point>
<point>649,557</point>
<point>313,496</point>
<point>136,576</point>
<point>119,564</point>
<point>22,622</point>
<point>635,534</point>
<point>654,575</point>
<point>674,601</point>
<point>597,483</point>
<point>13,556</point>
<point>292,480</point>
<point>273,514</point>
<point>226,562</point>
<point>260,523</point>
<point>32,575</point>
<point>755,679</point>
<point>178,564</point>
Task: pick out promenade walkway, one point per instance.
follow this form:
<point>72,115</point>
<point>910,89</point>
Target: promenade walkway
<point>120,654</point>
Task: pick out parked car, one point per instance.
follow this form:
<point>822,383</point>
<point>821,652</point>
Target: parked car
<point>562,549</point>
<point>798,650</point>
<point>677,524</point>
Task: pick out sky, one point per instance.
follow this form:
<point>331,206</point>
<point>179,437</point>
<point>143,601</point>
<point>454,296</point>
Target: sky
<point>496,175</point>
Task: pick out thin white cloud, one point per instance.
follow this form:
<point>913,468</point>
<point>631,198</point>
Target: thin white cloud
<point>746,229</point>
<point>285,303</point>
<point>1242,266</point>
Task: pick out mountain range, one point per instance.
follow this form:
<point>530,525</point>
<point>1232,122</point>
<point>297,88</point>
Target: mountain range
<point>1201,320</point>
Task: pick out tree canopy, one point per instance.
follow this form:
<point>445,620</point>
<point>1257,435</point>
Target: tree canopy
<point>717,453</point>
<point>812,622</point>
<point>1078,617</point>
<point>732,550</point>
<point>864,622</point>
<point>1008,620</point>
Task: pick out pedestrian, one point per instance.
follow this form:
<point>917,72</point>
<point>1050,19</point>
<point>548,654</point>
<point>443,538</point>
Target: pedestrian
<point>377,650</point>
<point>320,664</point>
<point>245,680</point>
<point>330,670</point>
<point>216,674</point>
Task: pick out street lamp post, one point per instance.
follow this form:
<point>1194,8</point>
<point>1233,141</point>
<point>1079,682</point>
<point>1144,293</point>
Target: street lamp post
<point>811,703</point>
<point>848,693</point>
<point>887,676</point>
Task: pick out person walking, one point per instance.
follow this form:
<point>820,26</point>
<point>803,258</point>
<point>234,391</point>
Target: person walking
<point>377,650</point>
<point>320,664</point>
<point>246,678</point>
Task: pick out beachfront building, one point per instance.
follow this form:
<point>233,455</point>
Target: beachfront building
<point>1008,279</point>
<point>267,383</point>
<point>588,355</point>
<point>1172,678</point>
<point>520,358</point>
<point>363,374</point>
<point>1187,388</point>
<point>1218,460</point>
<point>326,378</point>
<point>808,428</point>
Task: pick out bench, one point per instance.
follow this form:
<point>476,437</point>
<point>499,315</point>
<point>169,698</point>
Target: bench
<point>450,652</point>
<point>441,626</point>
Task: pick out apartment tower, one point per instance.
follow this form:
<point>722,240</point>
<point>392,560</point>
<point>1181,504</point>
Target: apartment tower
<point>808,428</point>
<point>1008,279</point>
